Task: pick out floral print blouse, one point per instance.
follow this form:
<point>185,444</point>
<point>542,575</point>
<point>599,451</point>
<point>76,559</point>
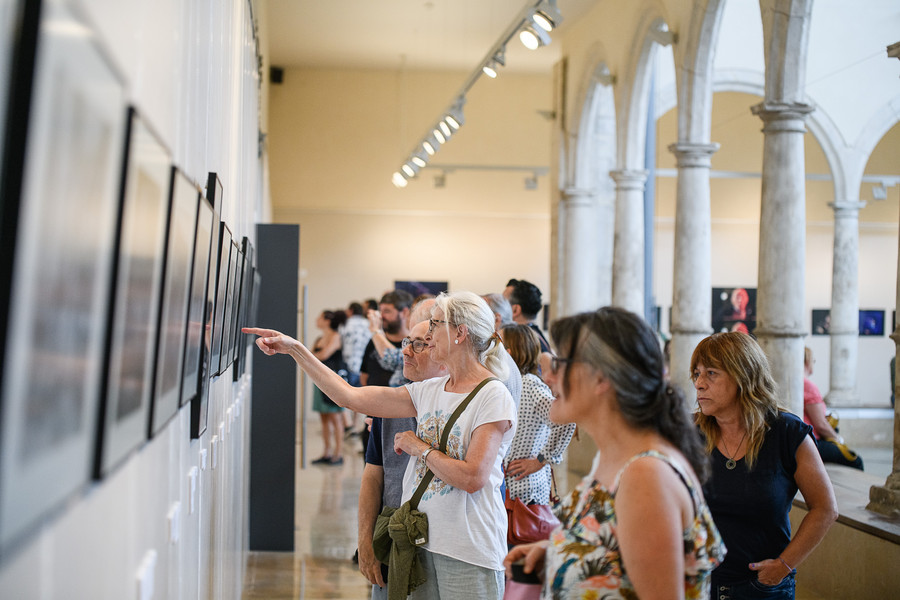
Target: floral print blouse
<point>583,558</point>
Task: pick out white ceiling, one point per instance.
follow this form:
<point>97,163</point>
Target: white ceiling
<point>396,34</point>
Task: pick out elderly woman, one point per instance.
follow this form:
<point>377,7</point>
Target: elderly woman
<point>539,442</point>
<point>463,557</point>
<point>637,525</point>
<point>761,455</point>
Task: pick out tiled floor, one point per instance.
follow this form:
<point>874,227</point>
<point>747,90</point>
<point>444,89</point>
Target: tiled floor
<point>321,568</point>
<point>325,538</point>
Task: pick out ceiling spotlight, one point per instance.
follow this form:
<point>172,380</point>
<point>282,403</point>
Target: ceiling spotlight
<point>533,37</point>
<point>439,136</point>
<point>879,192</point>
<point>531,183</point>
<point>399,180</point>
<point>409,169</point>
<point>454,117</point>
<point>428,147</point>
<point>419,160</point>
<point>445,128</point>
<point>440,180</point>
<point>547,15</point>
<point>491,67</point>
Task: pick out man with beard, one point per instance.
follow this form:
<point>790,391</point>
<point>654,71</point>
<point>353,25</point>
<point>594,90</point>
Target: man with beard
<point>382,479</point>
<point>382,362</point>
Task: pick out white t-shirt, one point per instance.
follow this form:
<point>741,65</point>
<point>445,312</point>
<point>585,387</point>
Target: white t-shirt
<point>468,527</point>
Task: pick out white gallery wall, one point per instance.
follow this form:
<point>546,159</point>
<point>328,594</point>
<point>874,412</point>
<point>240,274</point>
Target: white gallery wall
<point>170,522</point>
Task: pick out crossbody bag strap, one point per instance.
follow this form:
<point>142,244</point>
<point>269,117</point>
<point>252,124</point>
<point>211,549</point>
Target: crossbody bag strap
<point>445,435</point>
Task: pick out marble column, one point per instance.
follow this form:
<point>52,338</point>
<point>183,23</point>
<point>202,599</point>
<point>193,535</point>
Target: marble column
<point>691,301</point>
<point>628,251</point>
<point>782,247</point>
<point>581,252</point>
<point>885,499</point>
<point>844,326</point>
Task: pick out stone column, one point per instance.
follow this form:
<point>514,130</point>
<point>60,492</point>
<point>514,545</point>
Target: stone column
<point>628,252</point>
<point>782,247</point>
<point>885,499</point>
<point>691,300</point>
<point>844,327</point>
<point>581,249</point>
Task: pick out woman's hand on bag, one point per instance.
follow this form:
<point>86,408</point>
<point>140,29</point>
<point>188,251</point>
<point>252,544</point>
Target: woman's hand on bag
<point>272,342</point>
<point>770,571</point>
<point>370,566</point>
<point>409,442</point>
<point>523,467</point>
<point>532,553</point>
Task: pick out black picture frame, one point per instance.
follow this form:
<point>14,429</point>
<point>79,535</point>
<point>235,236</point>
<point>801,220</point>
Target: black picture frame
<point>131,348</point>
<point>821,321</point>
<point>243,340</point>
<point>215,192</point>
<point>223,261</point>
<point>227,356</point>
<point>60,190</point>
<point>871,322</point>
<point>196,336</point>
<point>173,311</point>
<point>200,403</point>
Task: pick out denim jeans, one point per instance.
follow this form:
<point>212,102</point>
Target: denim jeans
<point>451,579</point>
<point>752,590</point>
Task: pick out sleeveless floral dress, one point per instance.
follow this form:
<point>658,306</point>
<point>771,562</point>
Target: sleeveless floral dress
<point>583,560</point>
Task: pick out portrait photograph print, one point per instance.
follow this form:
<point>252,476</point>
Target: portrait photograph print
<point>734,309</point>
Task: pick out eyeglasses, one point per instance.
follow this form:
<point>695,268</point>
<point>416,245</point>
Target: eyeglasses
<point>433,322</point>
<point>417,345</point>
<point>556,362</point>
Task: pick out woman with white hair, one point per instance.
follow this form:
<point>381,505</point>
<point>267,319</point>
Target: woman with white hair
<point>463,557</point>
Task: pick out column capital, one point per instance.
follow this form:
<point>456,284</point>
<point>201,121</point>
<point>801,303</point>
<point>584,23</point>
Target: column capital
<point>693,154</point>
<point>783,116</point>
<point>578,196</point>
<point>629,179</point>
<point>846,208</point>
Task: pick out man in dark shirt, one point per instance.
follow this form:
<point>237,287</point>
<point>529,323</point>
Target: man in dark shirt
<point>525,299</point>
<point>382,364</point>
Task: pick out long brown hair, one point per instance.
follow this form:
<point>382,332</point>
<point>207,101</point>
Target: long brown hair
<point>744,361</point>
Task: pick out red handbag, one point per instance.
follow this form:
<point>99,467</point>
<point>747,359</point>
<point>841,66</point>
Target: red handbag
<point>528,522</point>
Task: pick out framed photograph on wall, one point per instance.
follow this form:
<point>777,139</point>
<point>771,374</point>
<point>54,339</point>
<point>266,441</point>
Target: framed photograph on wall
<point>871,322</point>
<point>235,312</point>
<point>223,261</point>
<point>215,192</point>
<point>734,309</point>
<point>60,206</point>
<point>227,356</point>
<point>175,296</point>
<point>200,403</point>
<point>417,288</point>
<point>196,335</point>
<point>821,321</point>
<point>136,298</point>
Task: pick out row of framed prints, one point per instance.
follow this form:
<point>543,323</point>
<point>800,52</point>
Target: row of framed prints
<point>122,291</point>
<point>871,322</point>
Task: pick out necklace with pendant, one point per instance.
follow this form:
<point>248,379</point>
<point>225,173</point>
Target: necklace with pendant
<point>730,464</point>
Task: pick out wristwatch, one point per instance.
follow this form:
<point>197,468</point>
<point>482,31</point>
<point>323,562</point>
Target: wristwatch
<point>425,455</point>
<point>541,458</point>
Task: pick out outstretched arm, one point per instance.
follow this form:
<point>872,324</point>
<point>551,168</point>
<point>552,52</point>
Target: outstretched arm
<point>373,400</point>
